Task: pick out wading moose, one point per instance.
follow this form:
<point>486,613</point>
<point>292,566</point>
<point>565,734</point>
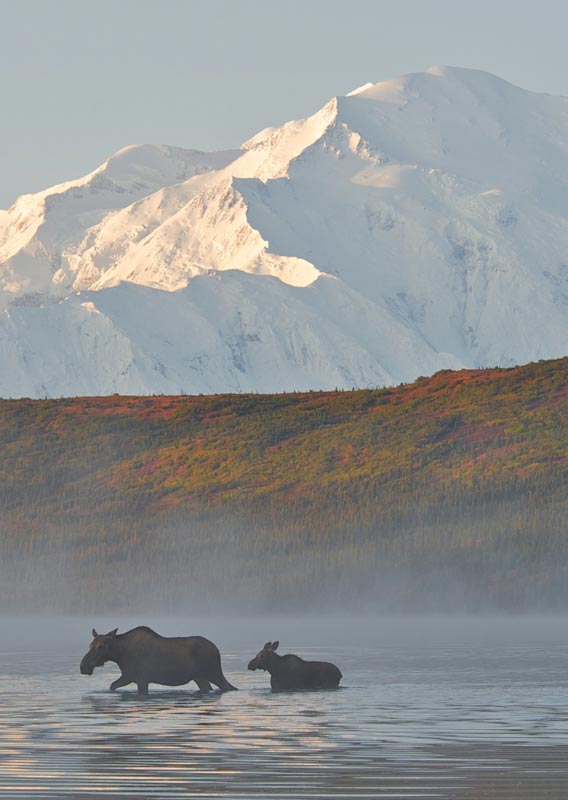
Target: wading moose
<point>145,657</point>
<point>292,672</point>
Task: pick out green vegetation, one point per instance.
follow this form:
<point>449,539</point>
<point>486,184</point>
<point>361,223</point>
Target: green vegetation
<point>448,491</point>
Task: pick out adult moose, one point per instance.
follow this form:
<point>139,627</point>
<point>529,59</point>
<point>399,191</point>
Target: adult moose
<point>292,672</point>
<point>146,657</point>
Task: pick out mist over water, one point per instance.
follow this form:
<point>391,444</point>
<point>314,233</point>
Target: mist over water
<point>433,706</point>
<point>219,567</point>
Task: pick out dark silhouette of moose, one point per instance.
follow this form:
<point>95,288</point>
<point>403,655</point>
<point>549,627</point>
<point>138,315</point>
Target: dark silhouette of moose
<point>145,657</point>
<point>292,672</point>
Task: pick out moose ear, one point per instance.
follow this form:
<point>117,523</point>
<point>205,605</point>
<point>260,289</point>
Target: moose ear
<point>267,646</point>
<point>95,634</point>
<point>111,634</point>
<point>275,645</point>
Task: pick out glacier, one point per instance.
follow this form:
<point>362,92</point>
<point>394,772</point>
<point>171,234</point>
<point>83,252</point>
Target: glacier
<point>415,224</point>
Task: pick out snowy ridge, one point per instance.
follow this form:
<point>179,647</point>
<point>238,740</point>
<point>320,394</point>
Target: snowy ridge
<point>415,224</point>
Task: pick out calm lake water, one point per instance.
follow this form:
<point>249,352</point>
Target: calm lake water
<point>433,708</point>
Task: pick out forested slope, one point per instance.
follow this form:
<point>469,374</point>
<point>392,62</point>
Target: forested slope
<point>450,491</point>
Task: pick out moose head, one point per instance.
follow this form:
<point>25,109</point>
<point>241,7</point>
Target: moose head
<point>261,660</point>
<point>98,652</point>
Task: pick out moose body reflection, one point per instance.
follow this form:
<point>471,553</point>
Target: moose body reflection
<point>145,657</point>
<point>292,672</point>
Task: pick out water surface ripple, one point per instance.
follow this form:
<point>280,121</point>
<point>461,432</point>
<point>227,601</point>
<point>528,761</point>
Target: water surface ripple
<point>441,712</point>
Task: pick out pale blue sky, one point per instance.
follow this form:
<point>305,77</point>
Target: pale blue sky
<point>82,78</point>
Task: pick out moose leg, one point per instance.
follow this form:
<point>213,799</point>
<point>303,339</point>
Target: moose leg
<point>203,685</point>
<point>143,689</point>
<point>219,680</point>
<point>122,681</point>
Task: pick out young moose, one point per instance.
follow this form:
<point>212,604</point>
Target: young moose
<point>292,672</point>
<point>146,657</point>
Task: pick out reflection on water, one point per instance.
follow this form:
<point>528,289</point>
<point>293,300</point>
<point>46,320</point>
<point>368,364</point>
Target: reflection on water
<point>426,710</point>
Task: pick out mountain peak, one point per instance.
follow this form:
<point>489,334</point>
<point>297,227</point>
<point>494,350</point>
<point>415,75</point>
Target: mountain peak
<point>414,224</point>
<point>394,90</point>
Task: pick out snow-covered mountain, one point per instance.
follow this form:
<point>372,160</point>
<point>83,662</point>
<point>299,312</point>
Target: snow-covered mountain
<point>415,224</point>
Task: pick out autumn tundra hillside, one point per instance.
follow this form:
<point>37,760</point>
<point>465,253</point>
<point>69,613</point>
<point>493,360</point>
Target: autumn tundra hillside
<point>450,490</point>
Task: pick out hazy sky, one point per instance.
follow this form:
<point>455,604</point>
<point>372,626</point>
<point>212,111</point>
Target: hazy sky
<point>82,78</point>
